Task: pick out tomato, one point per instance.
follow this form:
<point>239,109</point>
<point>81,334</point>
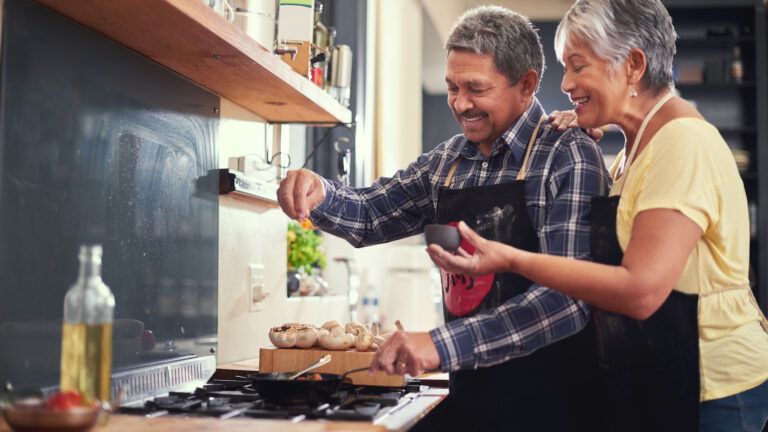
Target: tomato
<point>65,400</point>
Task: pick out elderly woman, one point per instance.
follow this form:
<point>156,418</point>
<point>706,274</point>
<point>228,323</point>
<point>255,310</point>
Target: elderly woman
<point>683,344</point>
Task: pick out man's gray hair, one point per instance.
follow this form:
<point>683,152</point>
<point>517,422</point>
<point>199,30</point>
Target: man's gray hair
<point>614,27</point>
<point>507,35</point>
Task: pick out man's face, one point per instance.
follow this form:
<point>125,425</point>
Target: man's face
<point>481,97</point>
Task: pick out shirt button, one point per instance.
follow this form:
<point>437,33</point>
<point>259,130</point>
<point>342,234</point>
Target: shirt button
<point>485,164</point>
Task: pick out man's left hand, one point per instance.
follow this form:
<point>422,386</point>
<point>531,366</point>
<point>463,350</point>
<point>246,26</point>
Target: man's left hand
<point>406,352</point>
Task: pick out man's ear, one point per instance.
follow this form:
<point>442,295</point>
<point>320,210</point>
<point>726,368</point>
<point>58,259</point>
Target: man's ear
<point>528,83</point>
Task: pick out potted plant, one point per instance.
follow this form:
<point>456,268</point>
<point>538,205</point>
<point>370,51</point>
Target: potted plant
<point>306,258</point>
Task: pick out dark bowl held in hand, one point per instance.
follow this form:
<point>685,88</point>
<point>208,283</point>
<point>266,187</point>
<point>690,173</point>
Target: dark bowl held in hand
<point>446,236</point>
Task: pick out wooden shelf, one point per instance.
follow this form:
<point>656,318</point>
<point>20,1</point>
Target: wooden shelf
<point>235,182</point>
<point>712,86</point>
<point>714,41</point>
<point>194,41</point>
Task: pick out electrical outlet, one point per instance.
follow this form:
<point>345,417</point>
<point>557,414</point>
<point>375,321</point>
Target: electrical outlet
<point>257,288</point>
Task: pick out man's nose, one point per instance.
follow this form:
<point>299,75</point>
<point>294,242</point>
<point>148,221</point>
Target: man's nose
<point>462,102</point>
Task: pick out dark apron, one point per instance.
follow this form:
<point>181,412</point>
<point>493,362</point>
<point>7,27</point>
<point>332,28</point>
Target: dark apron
<point>649,369</point>
<point>548,390</point>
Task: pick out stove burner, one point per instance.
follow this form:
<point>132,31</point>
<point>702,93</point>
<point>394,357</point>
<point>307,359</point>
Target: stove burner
<point>238,398</point>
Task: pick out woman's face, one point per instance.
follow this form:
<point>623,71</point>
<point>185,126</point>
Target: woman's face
<point>598,92</point>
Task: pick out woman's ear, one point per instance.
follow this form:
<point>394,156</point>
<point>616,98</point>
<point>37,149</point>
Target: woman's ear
<point>637,62</point>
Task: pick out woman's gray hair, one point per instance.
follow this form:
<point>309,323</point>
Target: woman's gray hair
<point>614,27</point>
<point>507,35</point>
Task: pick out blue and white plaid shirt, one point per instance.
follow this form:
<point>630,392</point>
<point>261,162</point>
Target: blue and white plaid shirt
<point>566,170</point>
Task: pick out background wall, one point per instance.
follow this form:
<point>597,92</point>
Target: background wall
<point>253,231</point>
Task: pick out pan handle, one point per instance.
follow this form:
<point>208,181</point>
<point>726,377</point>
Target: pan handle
<point>351,371</point>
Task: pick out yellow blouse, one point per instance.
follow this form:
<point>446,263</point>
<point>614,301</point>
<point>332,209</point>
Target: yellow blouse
<point>688,167</point>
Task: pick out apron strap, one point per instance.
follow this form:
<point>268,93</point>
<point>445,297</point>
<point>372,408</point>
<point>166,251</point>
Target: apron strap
<point>523,167</point>
<point>629,159</point>
<point>451,172</point>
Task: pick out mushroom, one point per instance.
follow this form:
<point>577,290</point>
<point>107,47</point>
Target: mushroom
<point>337,339</point>
<point>282,337</point>
<point>363,338</point>
<point>331,324</point>
<point>306,336</point>
<point>378,337</point>
<point>355,328</point>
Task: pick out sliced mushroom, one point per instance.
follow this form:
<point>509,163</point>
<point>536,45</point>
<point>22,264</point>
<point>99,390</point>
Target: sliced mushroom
<point>282,337</point>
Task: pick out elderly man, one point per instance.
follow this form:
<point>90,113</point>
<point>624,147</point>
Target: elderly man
<point>521,356</point>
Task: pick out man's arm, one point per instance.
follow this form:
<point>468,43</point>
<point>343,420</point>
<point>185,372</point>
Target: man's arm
<point>540,316</point>
<point>390,209</point>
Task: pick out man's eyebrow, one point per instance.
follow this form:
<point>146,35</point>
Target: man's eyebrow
<point>475,83</point>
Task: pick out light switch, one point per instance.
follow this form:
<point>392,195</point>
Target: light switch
<point>257,288</point>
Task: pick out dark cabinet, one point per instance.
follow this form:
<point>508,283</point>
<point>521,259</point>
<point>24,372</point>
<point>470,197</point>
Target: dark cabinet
<point>721,67</point>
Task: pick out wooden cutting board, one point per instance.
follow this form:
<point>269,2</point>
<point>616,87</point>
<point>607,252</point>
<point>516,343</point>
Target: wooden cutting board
<point>294,359</point>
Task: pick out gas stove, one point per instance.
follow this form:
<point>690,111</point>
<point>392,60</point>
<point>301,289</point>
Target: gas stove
<point>395,408</point>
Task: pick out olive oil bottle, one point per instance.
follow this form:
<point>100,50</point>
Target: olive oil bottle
<point>86,345</point>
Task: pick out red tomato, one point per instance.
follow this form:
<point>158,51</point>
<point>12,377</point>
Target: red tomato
<point>65,400</point>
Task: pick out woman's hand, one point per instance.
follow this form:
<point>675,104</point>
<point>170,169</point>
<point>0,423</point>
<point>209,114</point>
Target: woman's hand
<point>489,256</point>
<point>562,120</point>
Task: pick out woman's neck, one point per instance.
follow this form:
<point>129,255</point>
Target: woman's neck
<point>635,112</point>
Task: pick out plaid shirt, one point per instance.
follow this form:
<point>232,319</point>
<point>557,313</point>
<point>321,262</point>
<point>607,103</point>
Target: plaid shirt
<point>566,170</point>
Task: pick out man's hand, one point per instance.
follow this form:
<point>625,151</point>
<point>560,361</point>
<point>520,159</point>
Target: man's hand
<point>299,193</point>
<point>406,352</point>
<point>562,120</point>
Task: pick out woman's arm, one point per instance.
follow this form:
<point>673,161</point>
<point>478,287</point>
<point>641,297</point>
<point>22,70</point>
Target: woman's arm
<point>659,247</point>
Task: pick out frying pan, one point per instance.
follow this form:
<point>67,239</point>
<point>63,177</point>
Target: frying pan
<point>276,388</point>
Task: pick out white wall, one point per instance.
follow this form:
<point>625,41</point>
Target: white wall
<point>398,85</point>
<point>254,232</point>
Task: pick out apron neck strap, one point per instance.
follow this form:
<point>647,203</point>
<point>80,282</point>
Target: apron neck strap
<point>523,167</point>
<point>528,148</point>
<point>631,157</point>
<point>451,172</point>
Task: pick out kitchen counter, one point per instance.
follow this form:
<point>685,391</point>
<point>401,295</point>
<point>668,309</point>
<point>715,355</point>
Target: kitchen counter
<point>127,423</point>
<point>406,418</point>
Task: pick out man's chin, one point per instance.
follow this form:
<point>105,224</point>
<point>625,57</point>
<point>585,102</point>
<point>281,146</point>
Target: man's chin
<point>475,136</point>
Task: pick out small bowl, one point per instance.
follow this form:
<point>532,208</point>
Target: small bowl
<point>446,236</point>
<point>32,415</point>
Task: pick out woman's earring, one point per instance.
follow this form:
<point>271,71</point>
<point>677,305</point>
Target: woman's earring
<point>633,92</point>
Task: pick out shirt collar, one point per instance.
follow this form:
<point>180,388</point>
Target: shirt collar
<point>516,137</point>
